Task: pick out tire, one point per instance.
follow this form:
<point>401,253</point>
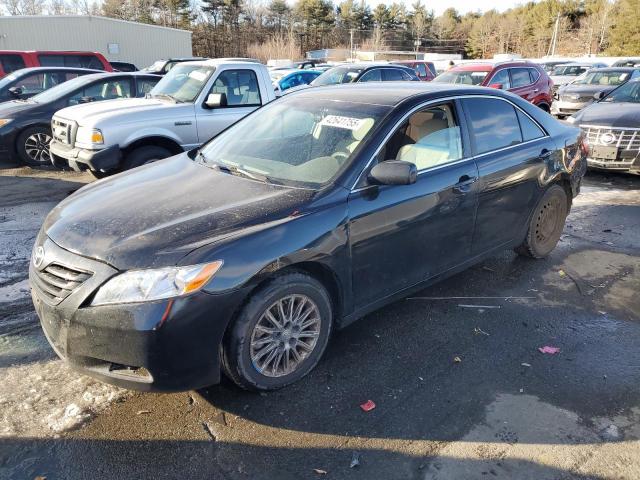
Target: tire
<point>546,225</point>
<point>97,174</point>
<point>544,107</point>
<point>145,154</point>
<point>32,146</point>
<point>245,349</point>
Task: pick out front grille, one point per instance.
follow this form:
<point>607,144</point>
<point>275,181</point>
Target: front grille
<point>625,139</point>
<point>56,282</point>
<point>572,99</point>
<point>61,131</point>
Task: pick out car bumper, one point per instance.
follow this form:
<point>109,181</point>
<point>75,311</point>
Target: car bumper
<point>168,345</point>
<point>82,159</point>
<point>624,163</point>
<point>567,108</point>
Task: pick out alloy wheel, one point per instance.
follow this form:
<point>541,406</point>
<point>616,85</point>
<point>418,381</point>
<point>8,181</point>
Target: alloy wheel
<point>37,147</point>
<point>285,335</point>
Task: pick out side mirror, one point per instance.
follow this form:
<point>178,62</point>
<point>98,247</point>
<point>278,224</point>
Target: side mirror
<point>599,95</point>
<point>496,86</point>
<point>216,100</point>
<point>86,100</point>
<point>16,91</point>
<point>394,172</point>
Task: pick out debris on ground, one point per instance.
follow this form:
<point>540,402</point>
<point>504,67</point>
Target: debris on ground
<point>207,428</point>
<point>478,306</point>
<point>548,349</point>
<point>479,331</point>
<point>562,273</point>
<point>488,269</point>
<point>457,360</point>
<point>611,433</point>
<point>368,406</point>
<point>524,364</point>
<point>143,412</point>
<point>319,471</point>
<point>355,460</point>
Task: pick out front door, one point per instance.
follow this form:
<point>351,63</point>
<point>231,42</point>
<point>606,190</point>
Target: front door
<point>241,90</point>
<point>403,234</point>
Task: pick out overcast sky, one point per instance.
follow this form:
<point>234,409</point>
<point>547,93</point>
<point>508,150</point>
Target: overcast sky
<point>463,6</point>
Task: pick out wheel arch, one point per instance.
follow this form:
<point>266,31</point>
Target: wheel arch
<point>156,141</point>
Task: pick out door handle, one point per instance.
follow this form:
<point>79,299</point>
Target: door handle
<point>464,184</point>
<point>544,154</point>
<point>536,90</point>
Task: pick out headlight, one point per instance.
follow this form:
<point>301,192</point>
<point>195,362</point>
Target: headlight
<point>89,135</point>
<point>145,285</point>
<point>4,121</point>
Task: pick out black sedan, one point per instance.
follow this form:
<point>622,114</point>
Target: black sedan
<point>25,125</point>
<point>242,257</point>
<point>612,128</point>
<point>27,82</point>
<point>365,72</point>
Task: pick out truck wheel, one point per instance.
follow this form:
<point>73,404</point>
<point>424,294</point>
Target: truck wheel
<point>547,224</point>
<point>32,146</point>
<point>280,334</point>
<point>142,155</point>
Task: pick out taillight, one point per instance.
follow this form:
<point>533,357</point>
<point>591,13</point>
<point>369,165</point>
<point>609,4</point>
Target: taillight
<point>584,144</point>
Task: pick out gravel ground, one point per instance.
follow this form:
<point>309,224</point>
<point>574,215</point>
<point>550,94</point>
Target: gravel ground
<point>504,410</point>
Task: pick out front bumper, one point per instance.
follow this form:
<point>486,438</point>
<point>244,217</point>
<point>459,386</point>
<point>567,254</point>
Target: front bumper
<point>82,159</point>
<point>624,163</point>
<point>567,108</point>
<point>168,345</point>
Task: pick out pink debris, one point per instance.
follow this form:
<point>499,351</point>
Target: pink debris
<point>549,350</point>
<point>368,406</point>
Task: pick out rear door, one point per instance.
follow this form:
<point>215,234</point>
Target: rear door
<point>522,85</point>
<point>242,91</point>
<point>401,235</point>
<point>510,151</point>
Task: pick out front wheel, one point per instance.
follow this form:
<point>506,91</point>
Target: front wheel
<point>547,224</point>
<point>280,334</point>
<point>32,146</point>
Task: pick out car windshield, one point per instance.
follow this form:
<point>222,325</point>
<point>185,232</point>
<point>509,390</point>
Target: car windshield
<point>466,77</point>
<point>569,70</point>
<point>63,89</point>
<point>337,75</point>
<point>183,83</point>
<point>156,66</point>
<point>304,142</point>
<point>627,93</point>
<point>603,78</point>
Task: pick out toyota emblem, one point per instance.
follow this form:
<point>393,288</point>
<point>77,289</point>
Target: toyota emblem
<point>607,138</point>
<point>38,257</point>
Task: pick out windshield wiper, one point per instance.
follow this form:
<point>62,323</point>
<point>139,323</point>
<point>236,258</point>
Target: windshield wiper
<point>166,95</point>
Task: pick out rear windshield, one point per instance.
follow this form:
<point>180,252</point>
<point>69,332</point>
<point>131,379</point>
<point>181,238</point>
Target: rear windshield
<point>337,75</point>
<point>466,77</point>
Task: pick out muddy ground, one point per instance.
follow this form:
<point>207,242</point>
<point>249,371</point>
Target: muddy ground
<point>505,410</point>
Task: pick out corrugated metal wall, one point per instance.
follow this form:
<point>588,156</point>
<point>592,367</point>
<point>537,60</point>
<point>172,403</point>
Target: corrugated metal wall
<point>135,42</point>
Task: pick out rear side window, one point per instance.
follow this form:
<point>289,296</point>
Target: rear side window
<point>534,75</point>
<point>11,63</point>
<point>520,77</point>
<point>494,123</point>
<point>371,76</point>
<point>392,75</point>
<point>77,61</point>
<point>530,131</point>
<point>421,70</point>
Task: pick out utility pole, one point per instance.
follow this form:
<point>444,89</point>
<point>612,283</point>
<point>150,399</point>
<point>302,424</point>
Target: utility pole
<point>351,44</point>
<point>554,38</point>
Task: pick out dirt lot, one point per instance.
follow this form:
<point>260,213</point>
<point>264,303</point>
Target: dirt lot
<point>505,410</point>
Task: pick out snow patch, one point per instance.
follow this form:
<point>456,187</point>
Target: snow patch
<point>14,292</point>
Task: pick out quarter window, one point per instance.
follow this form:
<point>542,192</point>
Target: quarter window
<point>494,123</point>
<point>530,130</point>
<point>429,138</point>
<point>534,74</point>
<point>520,77</point>
<point>501,77</point>
<point>239,86</point>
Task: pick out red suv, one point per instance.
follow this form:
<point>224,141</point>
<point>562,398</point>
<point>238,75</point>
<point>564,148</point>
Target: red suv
<point>526,79</point>
<point>12,60</point>
<point>426,71</point>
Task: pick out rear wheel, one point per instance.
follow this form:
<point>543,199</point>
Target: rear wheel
<point>280,334</point>
<point>546,225</point>
<point>145,154</point>
<point>33,146</point>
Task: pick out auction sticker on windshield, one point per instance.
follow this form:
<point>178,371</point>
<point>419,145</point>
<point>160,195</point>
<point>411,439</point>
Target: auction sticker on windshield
<point>349,123</point>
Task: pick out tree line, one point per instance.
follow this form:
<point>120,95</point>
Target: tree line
<point>279,29</point>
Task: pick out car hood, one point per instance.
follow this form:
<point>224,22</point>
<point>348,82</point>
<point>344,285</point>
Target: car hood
<point>610,115</point>
<point>121,111</point>
<point>156,214</point>
<point>584,90</point>
<point>15,107</point>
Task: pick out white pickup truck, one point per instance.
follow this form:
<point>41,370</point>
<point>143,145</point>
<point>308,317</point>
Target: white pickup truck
<point>192,103</point>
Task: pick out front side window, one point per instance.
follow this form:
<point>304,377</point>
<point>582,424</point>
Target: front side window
<point>464,77</point>
<point>11,63</point>
<point>39,82</point>
<point>183,83</point>
<point>501,78</point>
<point>520,77</point>
<point>392,75</point>
<point>239,86</point>
<point>105,90</point>
<point>429,138</point>
<point>295,141</point>
<point>494,123</point>
<point>374,75</point>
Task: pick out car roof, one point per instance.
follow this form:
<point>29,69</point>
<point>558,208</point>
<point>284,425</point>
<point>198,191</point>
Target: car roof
<point>579,64</point>
<point>390,93</point>
<point>411,61</point>
<point>23,71</point>
<point>616,69</point>
<point>212,62</point>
